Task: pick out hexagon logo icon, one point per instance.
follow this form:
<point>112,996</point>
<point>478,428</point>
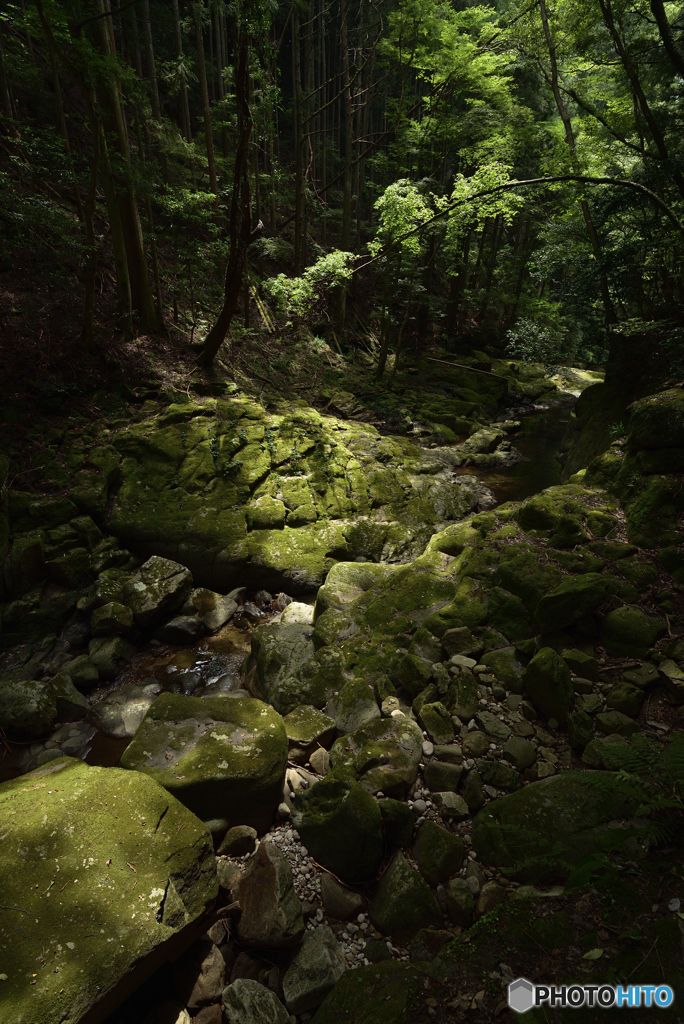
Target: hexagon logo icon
<point>521,995</point>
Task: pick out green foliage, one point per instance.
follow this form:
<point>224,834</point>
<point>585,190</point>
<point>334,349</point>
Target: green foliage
<point>531,342</point>
<point>296,296</point>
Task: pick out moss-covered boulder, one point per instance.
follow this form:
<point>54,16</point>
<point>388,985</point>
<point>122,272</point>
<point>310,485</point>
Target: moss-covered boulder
<point>626,698</point>
<point>397,822</point>
<point>378,994</point>
<point>436,721</point>
<point>403,902</point>
<point>92,842</point>
<point>657,421</point>
<point>569,601</point>
<point>547,681</point>
<point>438,853</point>
<point>630,631</point>
<point>33,707</point>
<point>340,824</point>
<point>506,664</point>
<point>223,757</point>
<point>353,706</point>
<point>277,650</point>
<point>110,655</point>
<point>156,590</point>
<point>539,832</point>
<point>383,755</point>
<point>308,728</point>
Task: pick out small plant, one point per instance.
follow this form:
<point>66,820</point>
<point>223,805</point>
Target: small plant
<point>531,342</point>
<point>214,448</point>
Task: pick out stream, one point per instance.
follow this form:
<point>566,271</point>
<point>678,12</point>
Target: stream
<point>212,666</point>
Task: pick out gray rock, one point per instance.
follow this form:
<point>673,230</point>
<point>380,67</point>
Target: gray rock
<point>491,725</point>
<point>353,706</point>
<point>158,588</point>
<point>340,824</point>
<point>451,805</point>
<point>223,611</point>
<point>339,902</point>
<point>183,629</point>
<point>547,680</point>
<point>307,728</point>
<point>320,761</point>
<point>404,903</point>
<point>460,903</point>
<point>111,619</point>
<point>475,744</point>
<point>200,975</point>
<point>461,641</point>
<point>519,752</point>
<point>314,971</point>
<point>271,912</point>
<point>110,655</point>
<point>438,853</point>
<point>119,715</point>
<point>384,753</point>
<point>441,777</point>
<point>83,671</point>
<point>506,666</point>
<point>238,841</point>
<point>297,611</point>
<point>473,792</point>
<point>248,1002</point>
<point>228,873</point>
<point>34,706</point>
<point>490,896</point>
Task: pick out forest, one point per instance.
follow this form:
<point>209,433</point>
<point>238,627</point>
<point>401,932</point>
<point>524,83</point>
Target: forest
<point>341,510</point>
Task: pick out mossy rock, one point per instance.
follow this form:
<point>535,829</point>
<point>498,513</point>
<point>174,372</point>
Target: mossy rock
<point>525,576</point>
<point>383,755</point>
<point>463,696</point>
<point>468,608</point>
<point>223,757</point>
<point>506,666</point>
<point>508,615</point>
<point>615,723</point>
<point>438,853</point>
<point>539,832</point>
<point>569,601</point>
<point>581,664</point>
<point>340,824</point>
<point>104,827</point>
<point>277,650</point>
<point>625,698</point>
<point>353,706</point>
<point>378,994</point>
<point>568,531</point>
<point>436,721</point>
<point>629,631</point>
<point>33,707</point>
<point>403,902</point>
<point>657,421</point>
<point>307,727</point>
<point>397,822</point>
<point>547,681</point>
<point>652,518</point>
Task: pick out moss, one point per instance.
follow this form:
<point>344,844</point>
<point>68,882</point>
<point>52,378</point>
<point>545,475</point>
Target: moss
<point>438,853</point>
<point>657,421</point>
<point>508,615</point>
<point>403,903</point>
<point>340,824</point>
<point>629,631</point>
<point>89,919</point>
<point>468,608</point>
<point>378,994</point>
<point>382,754</point>
<point>547,681</point>
<point>228,756</point>
<point>653,516</point>
<point>569,601</point>
<point>525,576</point>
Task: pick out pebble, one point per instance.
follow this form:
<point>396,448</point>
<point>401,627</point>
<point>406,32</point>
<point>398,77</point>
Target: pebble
<point>428,748</point>
<point>419,807</point>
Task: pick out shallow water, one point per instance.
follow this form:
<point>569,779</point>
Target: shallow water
<point>538,442</point>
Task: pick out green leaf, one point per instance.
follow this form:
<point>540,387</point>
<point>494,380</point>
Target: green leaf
<point>593,954</point>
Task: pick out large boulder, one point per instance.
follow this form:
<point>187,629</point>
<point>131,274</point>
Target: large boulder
<point>438,853</point>
<point>93,841</point>
<point>548,682</point>
<point>120,713</point>
<point>314,971</point>
<point>353,706</point>
<point>34,706</point>
<point>539,832</point>
<point>248,1002</point>
<point>223,757</point>
<point>340,824</point>
<point>378,994</point>
<point>569,601</point>
<point>277,650</point>
<point>404,903</point>
<point>657,421</point>
<point>383,754</point>
<point>271,915</point>
<point>157,589</point>
<point>630,632</point>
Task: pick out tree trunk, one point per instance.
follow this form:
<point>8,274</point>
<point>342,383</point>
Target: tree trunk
<point>241,232</point>
<point>206,109</point>
<point>185,109</point>
<point>5,95</point>
<point>129,219</point>
<point>149,61</point>
<point>300,185</point>
<point>608,310</point>
<point>674,51</point>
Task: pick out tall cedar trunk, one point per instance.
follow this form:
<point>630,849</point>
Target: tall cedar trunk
<point>241,233</point>
<point>5,95</point>
<point>522,269</point>
<point>457,286</point>
<point>61,120</point>
<point>637,88</point>
<point>608,310</point>
<point>137,58</point>
<point>151,67</point>
<point>300,186</point>
<point>206,109</point>
<point>139,280</point>
<point>184,107</point>
<point>497,234</point>
<point>674,50</point>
